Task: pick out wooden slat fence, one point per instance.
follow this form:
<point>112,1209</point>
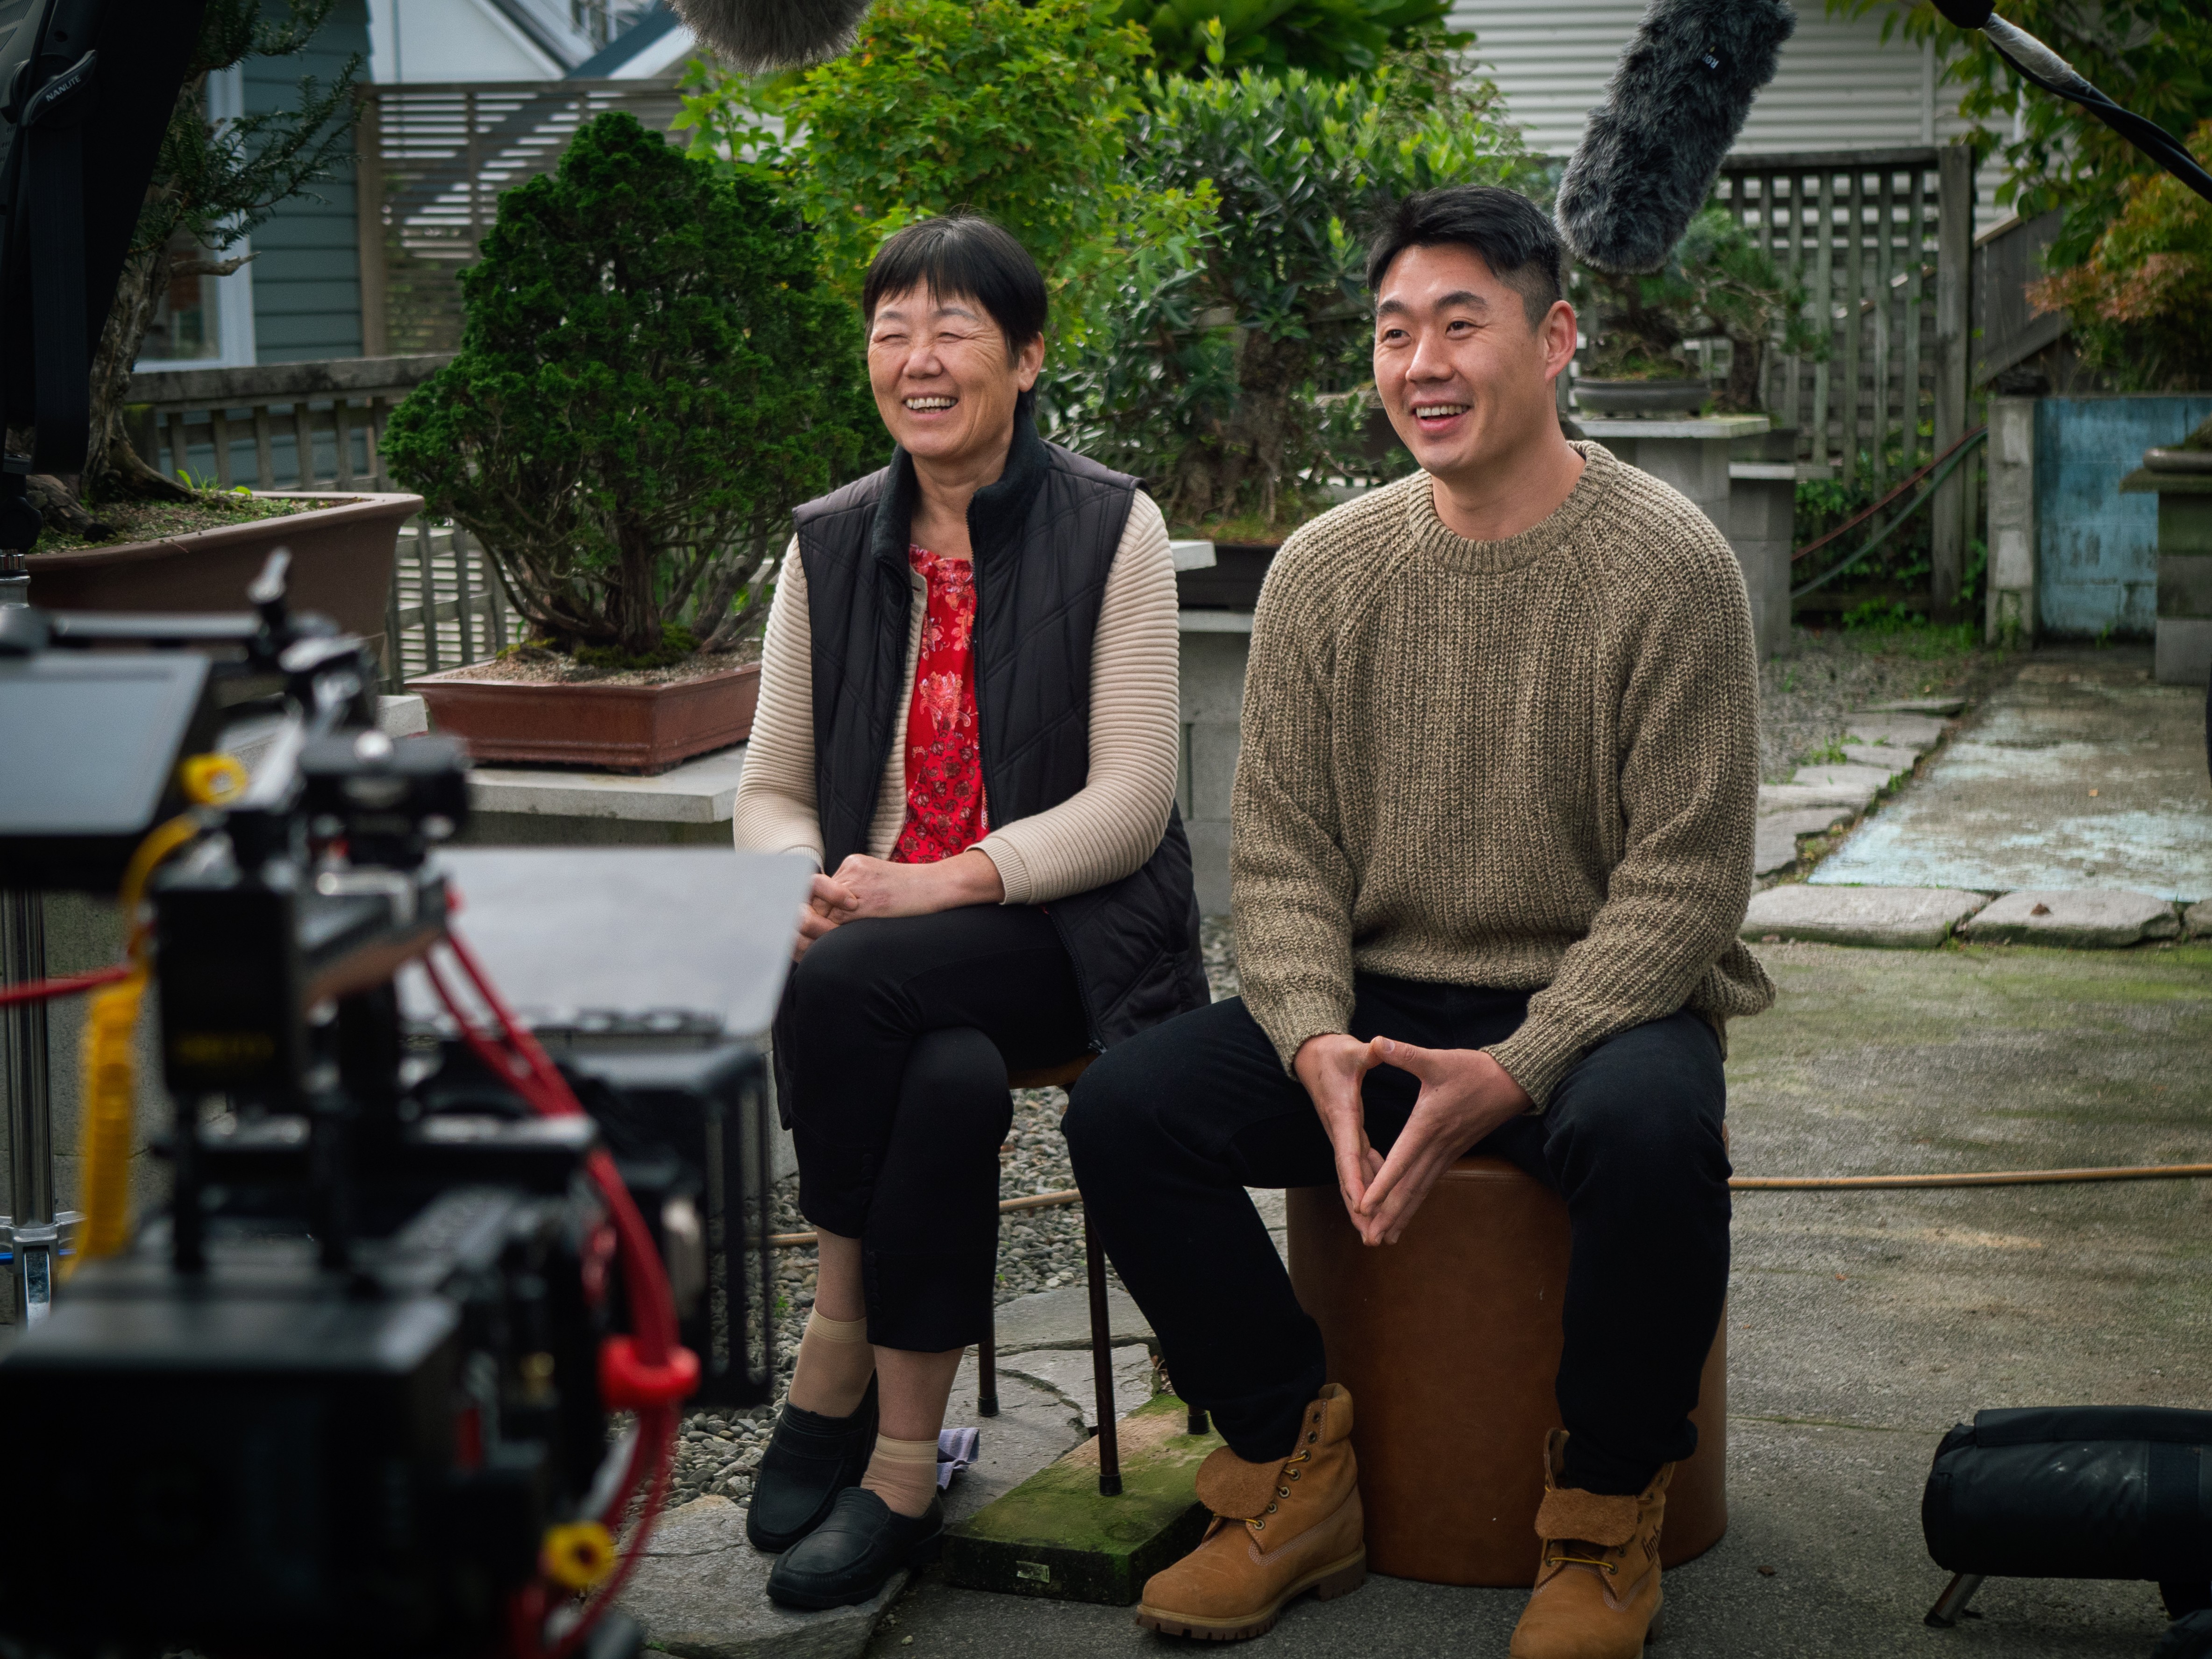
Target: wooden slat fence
<point>434,160</point>
<point>1864,231</point>
<point>253,427</point>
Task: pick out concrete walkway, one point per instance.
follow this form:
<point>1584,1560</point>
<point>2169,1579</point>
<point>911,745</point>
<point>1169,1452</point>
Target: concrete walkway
<point>1864,1325</point>
<point>2077,772</point>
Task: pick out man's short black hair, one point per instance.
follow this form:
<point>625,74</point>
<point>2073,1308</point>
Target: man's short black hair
<point>1512,235</point>
<point>964,254</point>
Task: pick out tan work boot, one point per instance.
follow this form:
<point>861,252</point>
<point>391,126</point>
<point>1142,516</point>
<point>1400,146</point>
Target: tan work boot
<point>1278,1530</point>
<point>1597,1584</point>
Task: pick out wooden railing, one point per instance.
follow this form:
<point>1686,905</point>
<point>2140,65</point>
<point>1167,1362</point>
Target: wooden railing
<point>319,426</point>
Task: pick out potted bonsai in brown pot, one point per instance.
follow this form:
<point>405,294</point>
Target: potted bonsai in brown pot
<point>1719,281</point>
<point>651,377</point>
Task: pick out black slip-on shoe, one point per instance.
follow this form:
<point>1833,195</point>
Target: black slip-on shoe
<point>847,1559</point>
<point>810,1459</point>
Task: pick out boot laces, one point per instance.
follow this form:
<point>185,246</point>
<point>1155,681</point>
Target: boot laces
<point>1259,1522</point>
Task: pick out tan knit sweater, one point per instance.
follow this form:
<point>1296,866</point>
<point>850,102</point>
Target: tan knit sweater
<point>1514,763</point>
<point>1101,833</point>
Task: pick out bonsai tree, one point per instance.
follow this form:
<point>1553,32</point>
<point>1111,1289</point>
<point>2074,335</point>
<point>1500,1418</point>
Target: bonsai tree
<point>218,183</point>
<point>1720,280</point>
<point>650,376</point>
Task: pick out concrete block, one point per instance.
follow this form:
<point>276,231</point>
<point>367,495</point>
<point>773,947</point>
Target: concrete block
<point>1776,846</point>
<point>700,1591</point>
<point>403,716</point>
<point>1055,1536</point>
<point>1872,779</point>
<point>1209,863</point>
<point>1061,1319</point>
<point>1212,673</point>
<point>1212,773</point>
<point>1885,918</point>
<point>702,790</point>
<point>1903,729</point>
<point>2083,917</point>
<point>2183,650</point>
<point>2196,920</point>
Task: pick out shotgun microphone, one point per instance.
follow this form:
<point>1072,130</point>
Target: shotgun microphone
<point>1649,158</point>
<point>772,34</point>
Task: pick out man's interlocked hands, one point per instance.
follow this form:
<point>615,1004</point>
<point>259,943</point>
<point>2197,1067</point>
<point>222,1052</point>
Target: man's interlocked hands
<point>1465,1096</point>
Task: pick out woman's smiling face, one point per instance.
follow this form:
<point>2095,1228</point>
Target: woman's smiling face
<point>945,383</point>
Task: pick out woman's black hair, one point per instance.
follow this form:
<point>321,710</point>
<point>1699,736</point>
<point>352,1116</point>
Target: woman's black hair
<point>1504,228</point>
<point>966,254</point>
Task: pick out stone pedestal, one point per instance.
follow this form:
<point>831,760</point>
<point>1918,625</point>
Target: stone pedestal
<point>2183,651</point>
<point>1752,503</point>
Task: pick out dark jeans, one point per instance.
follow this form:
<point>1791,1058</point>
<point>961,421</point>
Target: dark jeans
<point>1167,1130</point>
<point>895,1035</point>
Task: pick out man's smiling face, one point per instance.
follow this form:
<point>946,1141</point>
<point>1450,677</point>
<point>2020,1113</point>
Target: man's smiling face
<point>1465,377</point>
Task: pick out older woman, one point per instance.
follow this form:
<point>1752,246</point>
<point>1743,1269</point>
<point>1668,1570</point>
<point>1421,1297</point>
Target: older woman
<point>968,720</point>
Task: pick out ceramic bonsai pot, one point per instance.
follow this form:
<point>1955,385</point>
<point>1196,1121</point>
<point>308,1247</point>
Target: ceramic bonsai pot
<point>1640,396</point>
<point>616,728</point>
<point>342,560</point>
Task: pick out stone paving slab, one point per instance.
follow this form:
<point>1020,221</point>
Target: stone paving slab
<point>1796,796</point>
<point>1905,730</point>
<point>2083,918</point>
<point>1061,1319</point>
<point>1776,846</point>
<point>1887,758</point>
<point>2080,771</point>
<point>700,1591</point>
<point>1069,1374</point>
<point>2197,919</point>
<point>1887,918</point>
<point>1871,779</point>
<point>1918,706</point>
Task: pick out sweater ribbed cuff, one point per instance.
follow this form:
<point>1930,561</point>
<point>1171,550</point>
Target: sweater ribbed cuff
<point>1537,1057</point>
<point>1013,874</point>
<point>1289,1021</point>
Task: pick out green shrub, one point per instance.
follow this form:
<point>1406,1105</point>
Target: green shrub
<point>650,376</point>
<point>1019,111</point>
<point>1233,379</point>
<point>1332,38</point>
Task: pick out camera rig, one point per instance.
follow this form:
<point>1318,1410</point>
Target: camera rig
<point>370,1353</point>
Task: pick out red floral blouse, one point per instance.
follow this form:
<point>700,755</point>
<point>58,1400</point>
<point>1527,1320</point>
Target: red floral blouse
<point>946,811</point>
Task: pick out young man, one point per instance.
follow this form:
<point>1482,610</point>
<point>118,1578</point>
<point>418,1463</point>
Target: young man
<point>1492,835</point>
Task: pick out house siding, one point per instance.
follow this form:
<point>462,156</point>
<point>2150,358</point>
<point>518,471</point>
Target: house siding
<point>307,265</point>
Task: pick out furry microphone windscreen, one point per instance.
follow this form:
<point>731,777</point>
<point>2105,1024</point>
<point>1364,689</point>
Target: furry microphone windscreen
<point>1648,160</point>
<point>771,34</point>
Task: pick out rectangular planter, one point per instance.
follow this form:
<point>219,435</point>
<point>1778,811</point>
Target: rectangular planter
<point>616,728</point>
<point>341,559</point>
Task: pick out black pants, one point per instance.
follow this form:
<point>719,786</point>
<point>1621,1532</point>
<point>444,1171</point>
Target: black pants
<point>1168,1129</point>
<point>896,1036</point>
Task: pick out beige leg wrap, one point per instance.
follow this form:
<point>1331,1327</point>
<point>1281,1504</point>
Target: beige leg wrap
<point>903,1474</point>
<point>835,1364</point>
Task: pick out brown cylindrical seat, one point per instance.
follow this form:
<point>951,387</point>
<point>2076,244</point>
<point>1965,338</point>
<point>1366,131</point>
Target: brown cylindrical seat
<point>1449,1342</point>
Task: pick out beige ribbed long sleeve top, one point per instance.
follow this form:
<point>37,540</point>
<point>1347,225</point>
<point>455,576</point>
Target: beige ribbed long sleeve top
<point>1103,832</point>
<point>1527,762</point>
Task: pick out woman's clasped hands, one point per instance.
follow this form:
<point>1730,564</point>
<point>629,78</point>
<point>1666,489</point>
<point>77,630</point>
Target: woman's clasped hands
<point>864,886</point>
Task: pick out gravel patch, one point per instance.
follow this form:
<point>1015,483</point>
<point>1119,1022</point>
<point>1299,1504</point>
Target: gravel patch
<point>1829,674</point>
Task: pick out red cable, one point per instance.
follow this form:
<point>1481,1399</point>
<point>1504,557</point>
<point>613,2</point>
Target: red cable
<point>513,1054</point>
<point>68,985</point>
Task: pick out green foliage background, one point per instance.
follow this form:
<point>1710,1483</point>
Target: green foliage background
<point>1329,38</point>
<point>652,375</point>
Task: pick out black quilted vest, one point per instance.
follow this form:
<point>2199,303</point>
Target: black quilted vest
<point>1044,537</point>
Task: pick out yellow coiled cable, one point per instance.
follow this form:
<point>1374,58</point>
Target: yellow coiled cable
<point>108,1056</point>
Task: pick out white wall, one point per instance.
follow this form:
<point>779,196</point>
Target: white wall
<point>452,40</point>
<point>1840,86</point>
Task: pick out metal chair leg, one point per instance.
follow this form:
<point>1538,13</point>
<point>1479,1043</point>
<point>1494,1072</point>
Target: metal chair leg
<point>987,1371</point>
<point>1951,1605</point>
<point>1197,1424</point>
<point>1101,1363</point>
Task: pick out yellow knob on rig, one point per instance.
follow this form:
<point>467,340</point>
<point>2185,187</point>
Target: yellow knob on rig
<point>578,1554</point>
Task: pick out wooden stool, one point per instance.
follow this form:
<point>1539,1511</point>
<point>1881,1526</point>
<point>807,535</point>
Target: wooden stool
<point>1063,1076</point>
<point>1449,1342</point>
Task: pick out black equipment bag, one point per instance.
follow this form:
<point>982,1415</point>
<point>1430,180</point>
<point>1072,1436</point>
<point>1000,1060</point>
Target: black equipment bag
<point>2074,1491</point>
